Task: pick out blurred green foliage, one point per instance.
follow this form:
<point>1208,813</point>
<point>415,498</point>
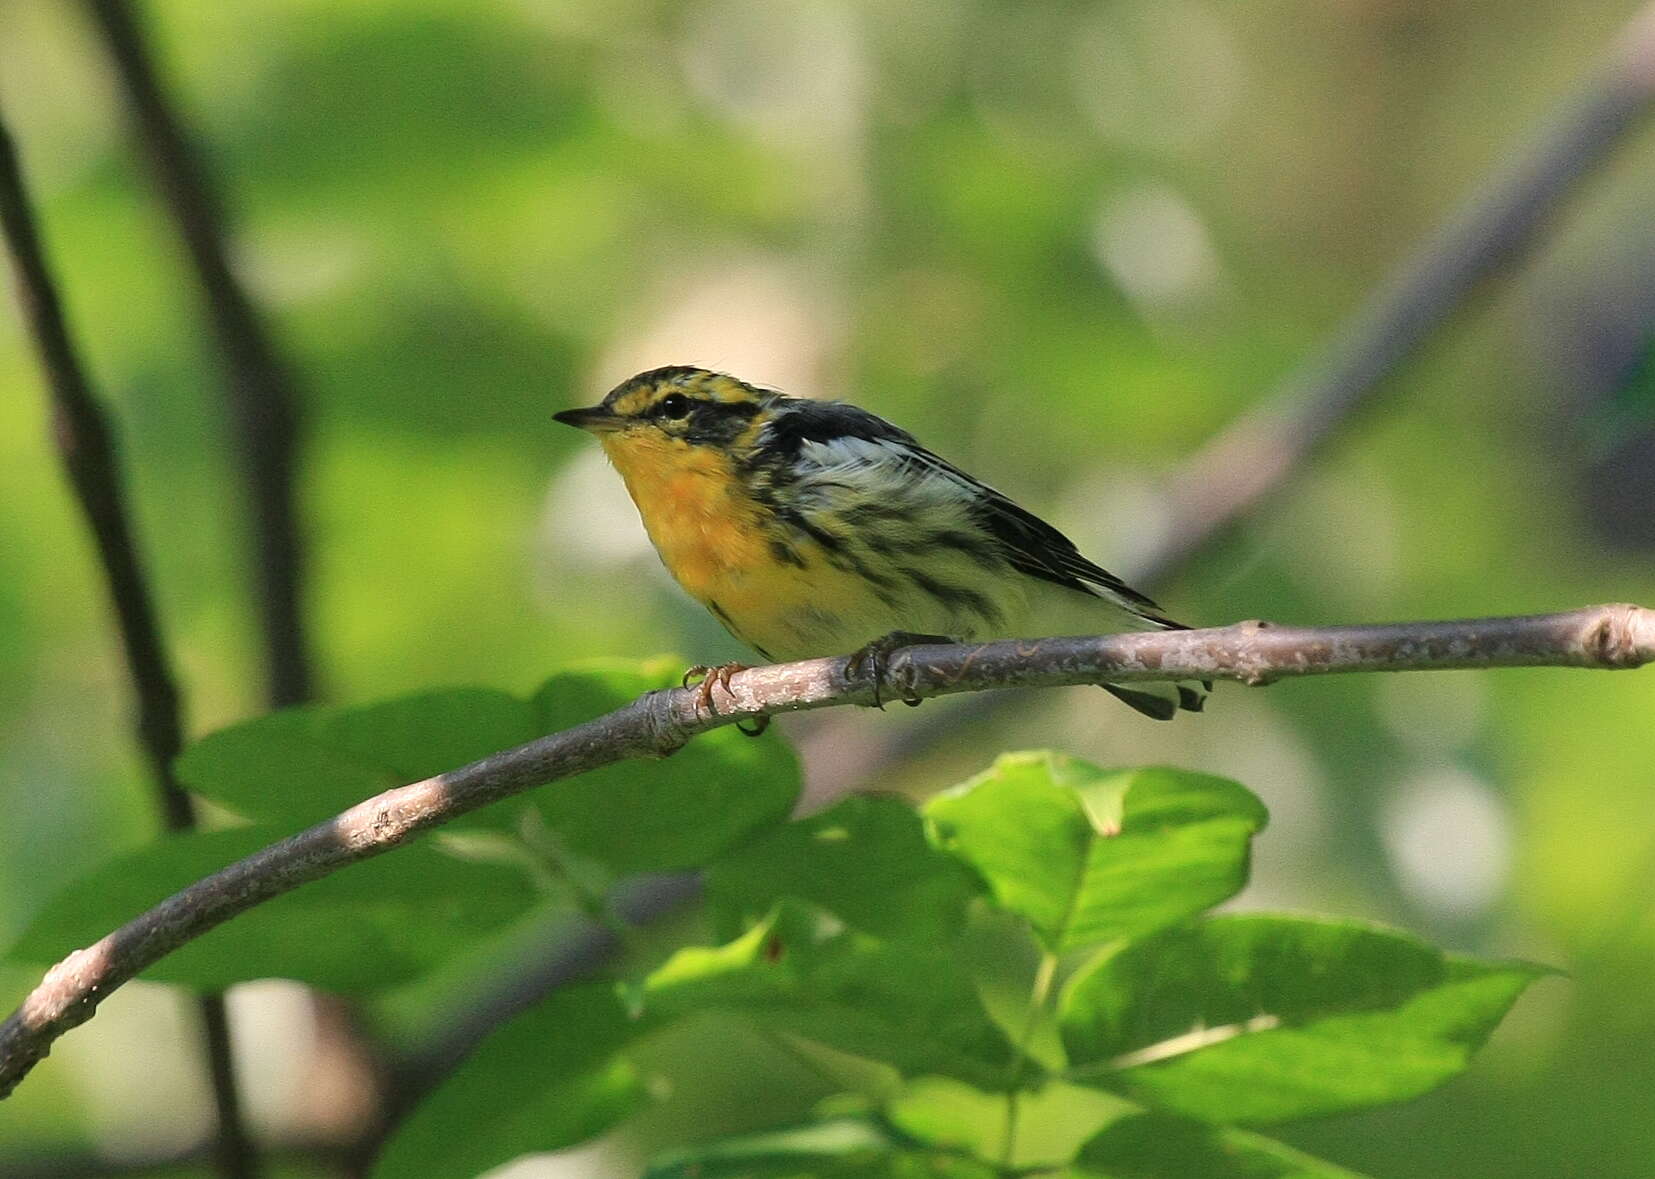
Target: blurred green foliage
<point>396,919</point>
<point>548,1079</point>
<point>1062,242</point>
<point>1206,1024</point>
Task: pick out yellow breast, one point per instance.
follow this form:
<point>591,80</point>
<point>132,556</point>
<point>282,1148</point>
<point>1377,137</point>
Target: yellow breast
<point>696,511</point>
<point>716,541</point>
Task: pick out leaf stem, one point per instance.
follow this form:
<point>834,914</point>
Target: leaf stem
<point>1191,1041</point>
<point>1039,993</point>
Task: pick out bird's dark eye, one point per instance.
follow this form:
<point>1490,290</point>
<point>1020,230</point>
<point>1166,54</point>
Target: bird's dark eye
<point>674,405</point>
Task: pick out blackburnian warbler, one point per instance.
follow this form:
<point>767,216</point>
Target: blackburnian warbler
<point>814,528</point>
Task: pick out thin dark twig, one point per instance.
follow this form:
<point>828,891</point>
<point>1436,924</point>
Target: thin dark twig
<point>569,953</point>
<point>658,723</point>
<point>233,1151</point>
<point>260,385</point>
<point>87,448</point>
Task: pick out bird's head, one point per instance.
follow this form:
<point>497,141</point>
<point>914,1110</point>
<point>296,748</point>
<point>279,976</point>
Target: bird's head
<point>671,409</point>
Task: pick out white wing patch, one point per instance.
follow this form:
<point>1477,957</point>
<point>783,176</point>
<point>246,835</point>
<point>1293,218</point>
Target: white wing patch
<point>886,469</point>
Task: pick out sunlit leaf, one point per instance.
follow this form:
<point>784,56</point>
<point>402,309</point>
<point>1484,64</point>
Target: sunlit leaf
<point>1260,1019</point>
<point>1052,1121</point>
<point>814,1148</point>
<point>832,1148</point>
<point>1090,856</point>
<point>1090,1135</point>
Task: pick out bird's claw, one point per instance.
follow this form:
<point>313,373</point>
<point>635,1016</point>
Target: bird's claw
<point>874,660</point>
<point>705,676</point>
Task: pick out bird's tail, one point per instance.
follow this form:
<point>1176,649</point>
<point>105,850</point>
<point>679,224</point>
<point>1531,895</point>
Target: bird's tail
<point>1162,701</point>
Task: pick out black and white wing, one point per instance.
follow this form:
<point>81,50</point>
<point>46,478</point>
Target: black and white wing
<point>874,467</point>
<point>1036,548</point>
<point>840,437</point>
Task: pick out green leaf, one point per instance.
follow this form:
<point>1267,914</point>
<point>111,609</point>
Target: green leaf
<point>679,812</point>
<point>546,1080</point>
<point>811,1149</point>
<point>302,766</point>
<point>1090,856</point>
<point>1260,1019</point>
<point>1102,1136</point>
<point>277,769</point>
<point>419,736</point>
<point>1053,1121</point>
<point>866,860</point>
<point>833,1148</point>
<point>373,924</point>
<point>801,971</point>
<point>1153,1146</point>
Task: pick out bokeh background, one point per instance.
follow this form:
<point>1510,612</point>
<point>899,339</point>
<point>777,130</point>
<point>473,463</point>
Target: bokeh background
<point>1065,243</point>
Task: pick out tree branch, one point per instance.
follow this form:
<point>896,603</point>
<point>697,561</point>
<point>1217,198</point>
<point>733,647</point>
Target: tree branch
<point>1251,460</point>
<point>1255,456</point>
<point>263,406</point>
<point>1247,463</point>
<point>87,448</point>
<point>659,723</point>
<point>570,952</point>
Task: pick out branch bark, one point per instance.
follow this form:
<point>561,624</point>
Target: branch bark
<point>1255,457</point>
<point>659,723</point>
<point>86,445</point>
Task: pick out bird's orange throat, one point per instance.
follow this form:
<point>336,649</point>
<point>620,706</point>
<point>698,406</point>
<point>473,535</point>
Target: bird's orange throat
<point>695,509</point>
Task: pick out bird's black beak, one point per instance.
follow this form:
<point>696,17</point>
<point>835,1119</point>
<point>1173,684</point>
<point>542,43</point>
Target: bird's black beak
<point>596,419</point>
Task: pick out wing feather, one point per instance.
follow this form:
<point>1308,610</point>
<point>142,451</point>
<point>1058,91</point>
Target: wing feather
<point>1034,547</point>
<point>835,434</point>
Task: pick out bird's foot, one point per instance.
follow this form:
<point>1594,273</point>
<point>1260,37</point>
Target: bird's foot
<point>705,676</point>
<point>874,660</point>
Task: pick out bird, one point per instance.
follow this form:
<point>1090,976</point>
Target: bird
<point>811,528</point>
